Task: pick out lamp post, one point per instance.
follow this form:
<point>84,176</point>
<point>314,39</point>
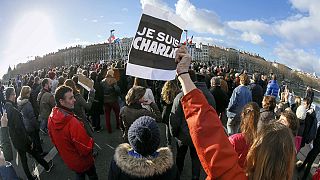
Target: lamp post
<point>111,33</point>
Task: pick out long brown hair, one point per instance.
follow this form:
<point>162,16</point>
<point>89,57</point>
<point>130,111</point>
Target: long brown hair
<point>169,91</point>
<point>272,154</point>
<point>249,121</point>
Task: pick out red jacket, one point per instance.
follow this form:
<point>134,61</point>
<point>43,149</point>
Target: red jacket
<point>68,135</point>
<point>216,154</point>
<point>241,147</point>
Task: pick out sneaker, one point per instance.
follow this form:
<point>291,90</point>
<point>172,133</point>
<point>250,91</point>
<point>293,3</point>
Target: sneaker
<point>50,163</point>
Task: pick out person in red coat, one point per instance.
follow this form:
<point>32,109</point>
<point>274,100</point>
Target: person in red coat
<point>69,136</point>
<point>272,153</point>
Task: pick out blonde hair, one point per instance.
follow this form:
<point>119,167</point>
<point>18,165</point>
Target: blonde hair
<point>272,154</point>
<point>25,92</point>
<point>169,91</point>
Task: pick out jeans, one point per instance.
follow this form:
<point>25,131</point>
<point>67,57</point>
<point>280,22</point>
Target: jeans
<point>181,154</point>
<point>233,125</point>
<point>44,124</point>
<point>24,161</point>
<point>91,173</point>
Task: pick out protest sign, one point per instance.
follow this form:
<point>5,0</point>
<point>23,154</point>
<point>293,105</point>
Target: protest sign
<point>85,82</point>
<point>153,48</point>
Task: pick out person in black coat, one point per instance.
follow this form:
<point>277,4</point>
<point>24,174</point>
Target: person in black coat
<point>97,104</point>
<point>142,158</point>
<point>19,137</point>
<point>256,90</point>
<point>220,96</point>
<point>179,128</point>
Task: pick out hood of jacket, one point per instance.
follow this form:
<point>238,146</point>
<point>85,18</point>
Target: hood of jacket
<point>21,102</point>
<point>145,166</point>
<point>60,117</point>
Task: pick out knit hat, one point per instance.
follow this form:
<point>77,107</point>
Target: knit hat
<point>144,135</point>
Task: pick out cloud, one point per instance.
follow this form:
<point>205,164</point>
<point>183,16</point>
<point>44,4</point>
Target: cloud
<point>99,35</point>
<point>253,26</point>
<point>115,23</point>
<point>94,20</point>
<point>208,40</point>
<point>298,58</point>
<point>251,37</point>
<point>85,19</point>
<point>303,29</point>
<point>157,3</point>
<point>199,20</point>
<point>124,10</point>
<point>101,16</point>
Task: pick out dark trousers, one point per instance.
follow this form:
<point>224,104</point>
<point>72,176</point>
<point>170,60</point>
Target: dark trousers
<point>91,173</point>
<point>116,108</point>
<point>36,140</point>
<point>312,155</point>
<point>168,135</point>
<point>24,161</point>
<point>181,154</point>
<point>96,121</point>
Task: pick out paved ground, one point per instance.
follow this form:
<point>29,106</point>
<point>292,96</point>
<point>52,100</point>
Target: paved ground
<point>108,142</point>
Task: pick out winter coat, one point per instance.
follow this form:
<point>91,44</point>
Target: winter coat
<point>217,156</point>
<point>128,114</point>
<point>241,147</point>
<point>82,105</point>
<point>69,136</point>
<point>257,93</point>
<point>309,132</point>
<point>17,131</point>
<point>241,96</point>
<point>36,88</point>
<point>6,144</point>
<point>7,172</point>
<point>110,89</point>
<point>125,166</point>
<point>46,103</point>
<point>29,118</point>
<point>272,88</point>
<point>221,98</point>
<point>97,104</point>
<point>265,117</point>
<point>177,122</point>
<point>166,110</point>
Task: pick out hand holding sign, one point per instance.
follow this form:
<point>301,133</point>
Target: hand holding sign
<point>154,46</point>
<point>183,59</point>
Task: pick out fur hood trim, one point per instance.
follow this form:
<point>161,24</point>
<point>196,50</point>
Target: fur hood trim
<point>145,166</point>
<point>21,102</point>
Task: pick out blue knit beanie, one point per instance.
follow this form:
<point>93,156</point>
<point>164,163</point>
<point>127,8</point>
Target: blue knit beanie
<point>144,135</point>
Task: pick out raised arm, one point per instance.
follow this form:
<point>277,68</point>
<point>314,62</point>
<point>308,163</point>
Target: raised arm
<point>214,150</point>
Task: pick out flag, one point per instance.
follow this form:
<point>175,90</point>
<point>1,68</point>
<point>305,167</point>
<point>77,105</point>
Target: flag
<point>111,39</point>
<point>190,42</point>
<point>118,41</point>
<point>185,42</point>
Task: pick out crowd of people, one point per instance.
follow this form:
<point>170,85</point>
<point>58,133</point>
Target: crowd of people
<point>235,126</point>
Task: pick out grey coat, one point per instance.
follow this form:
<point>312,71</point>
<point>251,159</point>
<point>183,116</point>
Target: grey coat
<point>29,118</point>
